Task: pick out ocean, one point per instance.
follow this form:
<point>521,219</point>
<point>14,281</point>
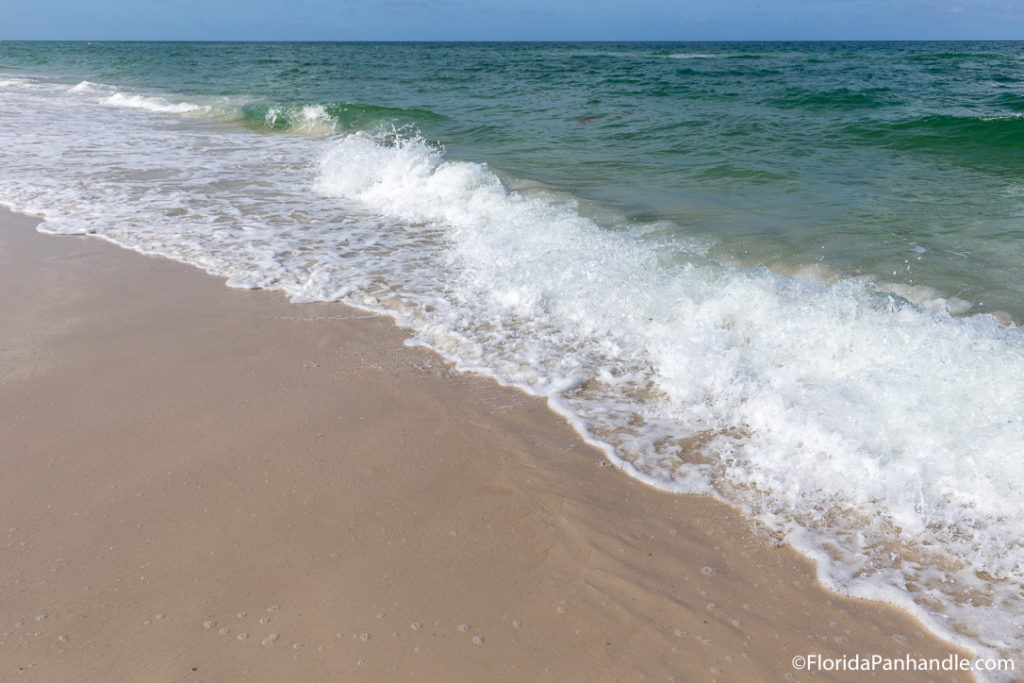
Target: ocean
<point>787,275</point>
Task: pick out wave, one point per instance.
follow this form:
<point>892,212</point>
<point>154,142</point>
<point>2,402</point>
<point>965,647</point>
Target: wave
<point>956,56</point>
<point>157,104</point>
<point>690,55</point>
<point>832,413</point>
<point>839,99</point>
<point>317,118</point>
<point>1012,101</point>
<point>331,117</point>
<point>983,142</point>
<point>23,83</point>
<point>114,96</point>
<point>90,87</point>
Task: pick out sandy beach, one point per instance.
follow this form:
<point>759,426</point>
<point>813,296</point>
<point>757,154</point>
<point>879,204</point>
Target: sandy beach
<point>209,484</point>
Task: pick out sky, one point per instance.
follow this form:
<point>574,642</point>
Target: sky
<point>511,19</point>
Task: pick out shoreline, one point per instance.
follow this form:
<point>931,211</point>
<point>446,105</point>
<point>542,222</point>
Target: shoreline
<point>185,458</point>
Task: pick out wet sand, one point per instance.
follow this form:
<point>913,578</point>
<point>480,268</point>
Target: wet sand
<point>209,484</point>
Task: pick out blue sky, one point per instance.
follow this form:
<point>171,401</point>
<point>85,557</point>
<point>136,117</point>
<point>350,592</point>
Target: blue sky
<point>512,19</point>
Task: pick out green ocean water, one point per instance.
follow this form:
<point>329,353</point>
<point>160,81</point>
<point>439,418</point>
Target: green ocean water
<point>900,162</point>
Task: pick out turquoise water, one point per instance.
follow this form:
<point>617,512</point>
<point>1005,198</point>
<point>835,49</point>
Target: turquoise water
<point>895,161</point>
<point>783,274</point>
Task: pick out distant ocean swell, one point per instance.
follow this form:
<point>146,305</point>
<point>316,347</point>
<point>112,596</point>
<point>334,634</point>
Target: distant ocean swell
<point>880,436</point>
<point>977,140</point>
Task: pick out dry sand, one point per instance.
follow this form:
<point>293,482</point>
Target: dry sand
<point>209,484</point>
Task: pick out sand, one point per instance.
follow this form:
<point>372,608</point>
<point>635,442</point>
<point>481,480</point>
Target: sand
<point>209,484</point>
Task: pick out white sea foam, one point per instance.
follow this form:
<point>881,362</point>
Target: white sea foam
<point>156,104</point>
<point>116,97</point>
<point>882,437</point>
<point>90,87</point>
<point>24,83</point>
<point>927,297</point>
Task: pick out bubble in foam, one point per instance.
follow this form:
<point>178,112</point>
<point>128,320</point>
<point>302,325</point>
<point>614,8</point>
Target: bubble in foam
<point>243,636</point>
